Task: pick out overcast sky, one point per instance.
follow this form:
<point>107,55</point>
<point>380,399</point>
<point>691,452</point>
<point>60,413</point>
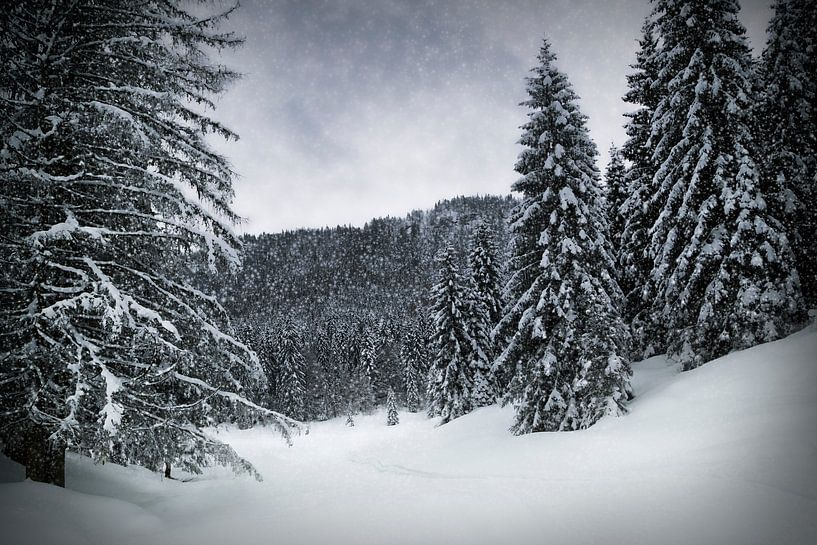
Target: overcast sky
<point>354,109</point>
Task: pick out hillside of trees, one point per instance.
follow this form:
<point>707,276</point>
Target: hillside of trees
<point>352,297</point>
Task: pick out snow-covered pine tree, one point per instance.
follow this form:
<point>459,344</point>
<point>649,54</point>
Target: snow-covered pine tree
<point>290,359</point>
<point>633,261</point>
<point>482,347</point>
<point>109,197</point>
<point>787,120</point>
<point>485,271</point>
<point>565,342</point>
<point>369,351</point>
<point>326,355</point>
<point>615,186</point>
<point>391,409</point>
<point>723,268</point>
<point>449,380</point>
<point>411,354</point>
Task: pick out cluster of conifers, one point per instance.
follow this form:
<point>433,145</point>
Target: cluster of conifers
<point>700,244</point>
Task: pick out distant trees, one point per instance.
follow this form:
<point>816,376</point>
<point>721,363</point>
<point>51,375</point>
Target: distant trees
<point>414,356</point>
<point>369,349</point>
<point>564,343</point>
<point>486,272</point>
<point>111,200</point>
<point>290,360</point>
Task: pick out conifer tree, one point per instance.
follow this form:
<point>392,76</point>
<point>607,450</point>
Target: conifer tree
<point>723,269</point>
<point>481,349</point>
<point>412,354</point>
<point>449,381</point>
<point>634,263</point>
<point>485,272</point>
<point>110,199</point>
<point>327,360</point>
<point>369,349</point>
<point>615,185</point>
<point>291,386</point>
<point>391,409</point>
<point>564,340</point>
<point>787,119</point>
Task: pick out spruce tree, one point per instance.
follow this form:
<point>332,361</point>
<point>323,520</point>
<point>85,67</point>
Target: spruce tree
<point>449,381</point>
<point>110,200</point>
<point>391,409</point>
<point>787,119</point>
<point>327,360</point>
<point>634,263</point>
<point>291,380</point>
<point>481,349</point>
<point>369,351</point>
<point>723,269</point>
<point>412,353</point>
<point>565,343</point>
<point>485,271</point>
<point>615,185</point>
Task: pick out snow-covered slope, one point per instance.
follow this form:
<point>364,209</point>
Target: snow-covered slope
<point>723,454</point>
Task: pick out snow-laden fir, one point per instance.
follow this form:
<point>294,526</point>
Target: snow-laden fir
<point>564,346</point>
<point>723,275</point>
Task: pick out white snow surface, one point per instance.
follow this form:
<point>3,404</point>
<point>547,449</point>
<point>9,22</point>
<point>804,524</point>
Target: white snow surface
<point>725,454</point>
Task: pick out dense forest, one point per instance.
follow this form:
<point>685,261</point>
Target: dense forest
<point>351,297</point>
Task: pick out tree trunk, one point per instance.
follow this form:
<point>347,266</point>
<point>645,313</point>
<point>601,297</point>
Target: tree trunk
<point>167,471</point>
<point>43,459</point>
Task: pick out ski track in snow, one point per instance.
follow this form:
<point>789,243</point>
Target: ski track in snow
<point>723,454</point>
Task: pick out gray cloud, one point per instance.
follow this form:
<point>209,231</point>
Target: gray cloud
<point>361,108</point>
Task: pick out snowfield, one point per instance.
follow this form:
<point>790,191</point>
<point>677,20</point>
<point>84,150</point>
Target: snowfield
<point>725,454</point>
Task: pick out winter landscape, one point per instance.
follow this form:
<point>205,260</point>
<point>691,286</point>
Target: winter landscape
<point>413,304</point>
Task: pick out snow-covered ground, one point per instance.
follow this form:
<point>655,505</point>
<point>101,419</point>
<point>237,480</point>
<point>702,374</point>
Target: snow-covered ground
<point>723,454</point>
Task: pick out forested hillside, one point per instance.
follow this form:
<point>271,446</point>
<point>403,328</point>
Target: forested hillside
<point>352,297</point>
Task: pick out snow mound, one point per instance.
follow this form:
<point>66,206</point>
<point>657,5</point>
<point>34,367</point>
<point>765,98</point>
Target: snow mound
<point>724,454</point>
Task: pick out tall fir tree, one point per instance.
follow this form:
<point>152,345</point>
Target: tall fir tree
<point>449,381</point>
<point>110,199</point>
<point>291,379</point>
<point>564,340</point>
<point>369,350</point>
<point>412,354</point>
<point>787,119</point>
<point>327,360</point>
<point>615,192</point>
<point>482,347</point>
<point>633,261</point>
<point>723,269</point>
<point>479,367</point>
<point>485,271</point>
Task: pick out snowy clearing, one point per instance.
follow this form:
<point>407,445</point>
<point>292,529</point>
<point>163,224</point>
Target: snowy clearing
<point>726,453</point>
